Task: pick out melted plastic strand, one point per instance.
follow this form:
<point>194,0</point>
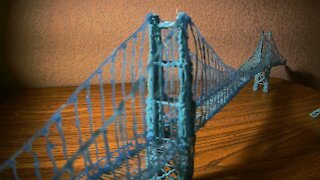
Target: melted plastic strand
<point>315,113</point>
<point>50,146</point>
<point>13,166</point>
<point>89,104</point>
<point>85,154</point>
<point>114,98</point>
<point>61,134</point>
<point>135,121</point>
<point>123,117</point>
<point>108,161</point>
<point>36,165</point>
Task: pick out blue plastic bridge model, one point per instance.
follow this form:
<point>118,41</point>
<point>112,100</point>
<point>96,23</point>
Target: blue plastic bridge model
<point>169,83</point>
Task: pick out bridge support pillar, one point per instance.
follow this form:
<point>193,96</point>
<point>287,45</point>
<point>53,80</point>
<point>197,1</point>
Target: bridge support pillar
<point>154,111</point>
<point>185,137</point>
<point>262,78</point>
<point>186,111</point>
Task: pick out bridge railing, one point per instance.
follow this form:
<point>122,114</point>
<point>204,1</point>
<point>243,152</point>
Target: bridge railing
<point>100,126</point>
<point>215,83</point>
<point>210,76</point>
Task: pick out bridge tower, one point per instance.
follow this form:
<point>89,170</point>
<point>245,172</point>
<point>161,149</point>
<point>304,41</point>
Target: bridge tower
<point>156,99</point>
<point>262,78</point>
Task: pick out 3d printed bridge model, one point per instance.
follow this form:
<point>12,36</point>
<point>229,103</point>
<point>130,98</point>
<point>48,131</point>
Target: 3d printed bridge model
<point>142,133</point>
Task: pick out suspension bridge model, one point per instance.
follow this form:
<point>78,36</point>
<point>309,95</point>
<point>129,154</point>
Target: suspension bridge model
<point>156,90</point>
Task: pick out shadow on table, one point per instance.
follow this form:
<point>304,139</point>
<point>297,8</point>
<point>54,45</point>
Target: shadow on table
<point>304,78</point>
<point>286,140</point>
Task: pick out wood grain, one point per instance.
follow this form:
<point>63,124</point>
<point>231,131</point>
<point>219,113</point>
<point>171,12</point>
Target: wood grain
<point>256,136</point>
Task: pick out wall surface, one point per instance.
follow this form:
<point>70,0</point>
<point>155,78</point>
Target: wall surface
<point>59,43</point>
<point>7,80</point>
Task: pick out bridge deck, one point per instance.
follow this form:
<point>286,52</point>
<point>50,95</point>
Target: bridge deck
<point>215,101</point>
<point>255,135</point>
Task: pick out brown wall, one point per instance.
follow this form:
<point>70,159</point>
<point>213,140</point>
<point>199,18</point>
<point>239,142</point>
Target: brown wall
<point>59,43</point>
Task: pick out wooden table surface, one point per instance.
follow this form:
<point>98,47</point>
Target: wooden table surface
<point>256,136</point>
